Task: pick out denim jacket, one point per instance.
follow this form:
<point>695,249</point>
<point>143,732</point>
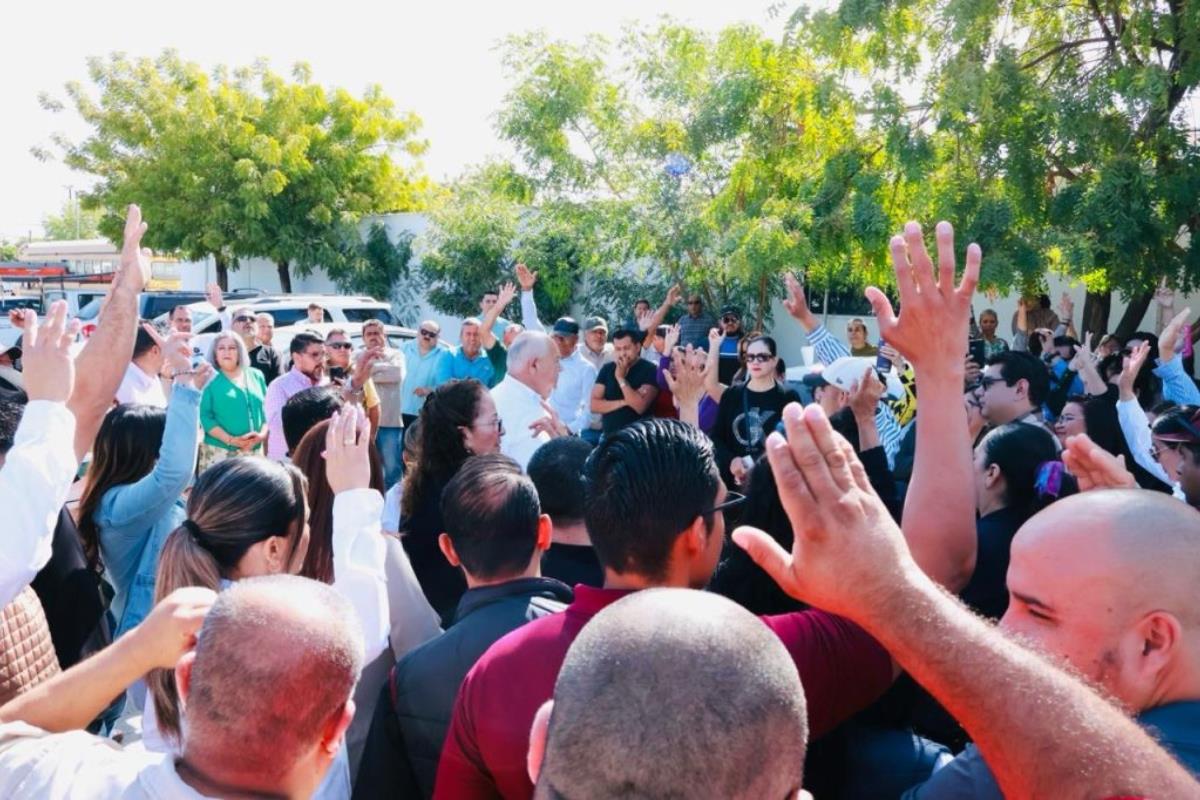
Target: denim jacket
<point>135,519</point>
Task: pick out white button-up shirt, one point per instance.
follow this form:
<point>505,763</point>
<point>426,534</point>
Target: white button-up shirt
<point>139,387</point>
<point>519,407</point>
<point>572,396</point>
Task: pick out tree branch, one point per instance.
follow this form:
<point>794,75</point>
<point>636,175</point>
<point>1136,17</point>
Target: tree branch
<point>1053,51</point>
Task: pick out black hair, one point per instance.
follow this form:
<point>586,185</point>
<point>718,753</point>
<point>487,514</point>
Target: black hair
<point>843,422</point>
<point>143,341</point>
<point>490,511</point>
<point>441,449</point>
<point>305,409</point>
<point>556,469</point>
<point>1163,407</point>
<point>12,407</point>
<point>302,340</point>
<point>1027,456</point>
<point>627,333</point>
<point>646,484</point>
<point>175,308</point>
<point>1015,366</point>
<point>1172,421</point>
<point>642,300</point>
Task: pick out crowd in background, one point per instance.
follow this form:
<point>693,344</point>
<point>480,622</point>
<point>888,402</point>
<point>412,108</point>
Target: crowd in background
<point>569,561</point>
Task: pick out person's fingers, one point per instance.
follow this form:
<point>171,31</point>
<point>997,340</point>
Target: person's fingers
<point>826,441</point>
<point>970,278</point>
<point>807,456</point>
<point>794,493</point>
<point>906,286</point>
<point>857,471</point>
<point>918,256</point>
<point>944,234</point>
<point>768,554</point>
<point>332,442</point>
<point>881,306</point>
<point>30,340</point>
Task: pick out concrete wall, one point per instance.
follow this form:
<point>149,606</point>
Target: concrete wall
<point>261,274</point>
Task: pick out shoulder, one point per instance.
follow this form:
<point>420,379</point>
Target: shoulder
<point>33,762</point>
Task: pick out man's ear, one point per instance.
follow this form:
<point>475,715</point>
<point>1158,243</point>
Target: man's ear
<point>544,530</point>
<point>447,548</point>
<point>537,741</point>
<point>335,729</point>
<point>183,677</point>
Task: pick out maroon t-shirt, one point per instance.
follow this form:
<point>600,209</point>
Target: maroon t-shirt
<point>841,667</point>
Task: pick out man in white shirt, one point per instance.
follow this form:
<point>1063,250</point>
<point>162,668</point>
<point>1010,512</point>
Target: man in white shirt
<point>141,383</point>
<point>529,421</point>
<point>268,644</point>
<point>572,392</point>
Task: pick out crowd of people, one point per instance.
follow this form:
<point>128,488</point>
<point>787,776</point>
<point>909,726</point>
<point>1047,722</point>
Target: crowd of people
<point>564,562</point>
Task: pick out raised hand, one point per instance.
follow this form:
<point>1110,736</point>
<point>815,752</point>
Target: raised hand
<point>715,337</point>
<point>685,379</point>
<point>1130,368</point>
<point>135,259</point>
<point>1067,306</point>
<point>671,339</point>
<point>362,365</point>
<point>1094,467</point>
<point>48,365</point>
<point>865,394</point>
<point>797,304</point>
<point>507,292</point>
<point>175,347</point>
<point>215,297</point>
<point>526,277</point>
<point>673,294</point>
<point>893,355</point>
<point>934,313</point>
<point>1165,296</point>
<point>1083,357</point>
<point>847,552</point>
<point>1169,340</point>
<point>16,317</point>
<point>170,629</point>
<point>347,444</point>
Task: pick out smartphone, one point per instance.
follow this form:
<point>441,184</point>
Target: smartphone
<point>881,361</point>
<point>975,349</point>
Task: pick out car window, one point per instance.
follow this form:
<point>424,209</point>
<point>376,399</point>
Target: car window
<point>290,316</point>
<point>364,314</point>
<point>156,305</point>
<point>9,303</point>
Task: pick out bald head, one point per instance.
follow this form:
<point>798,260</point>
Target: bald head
<point>276,659</point>
<point>673,693</point>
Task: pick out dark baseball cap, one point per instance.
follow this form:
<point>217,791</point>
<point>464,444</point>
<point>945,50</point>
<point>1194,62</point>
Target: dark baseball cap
<point>731,311</point>
<point>591,323</point>
<point>814,380</point>
<point>565,326</point>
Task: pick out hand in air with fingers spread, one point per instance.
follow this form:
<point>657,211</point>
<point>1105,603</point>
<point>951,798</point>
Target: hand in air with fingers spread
<point>49,367</point>
<point>847,553</point>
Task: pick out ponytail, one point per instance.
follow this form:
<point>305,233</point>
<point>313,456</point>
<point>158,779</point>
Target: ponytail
<point>1027,456</point>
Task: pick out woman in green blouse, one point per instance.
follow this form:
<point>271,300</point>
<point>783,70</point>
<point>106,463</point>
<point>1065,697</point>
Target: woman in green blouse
<point>232,408</point>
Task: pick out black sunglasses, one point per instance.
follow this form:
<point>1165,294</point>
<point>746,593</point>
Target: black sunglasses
<point>339,345</point>
<point>761,358</point>
<point>730,319</point>
<point>243,319</point>
<point>732,500</point>
<point>428,335</point>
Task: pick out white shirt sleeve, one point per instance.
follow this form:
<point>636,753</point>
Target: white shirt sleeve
<point>529,314</point>
<point>359,556</point>
<point>34,482</point>
<point>586,376</point>
<point>1135,426</point>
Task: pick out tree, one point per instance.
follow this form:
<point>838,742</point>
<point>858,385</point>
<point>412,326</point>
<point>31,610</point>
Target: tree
<point>238,163</point>
<point>8,250</point>
<point>1068,119</point>
<point>72,222</point>
<point>379,267</point>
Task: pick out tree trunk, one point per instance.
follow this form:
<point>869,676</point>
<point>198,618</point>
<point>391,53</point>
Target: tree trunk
<point>285,277</point>
<point>1096,308</point>
<point>1131,320</point>
<point>222,271</point>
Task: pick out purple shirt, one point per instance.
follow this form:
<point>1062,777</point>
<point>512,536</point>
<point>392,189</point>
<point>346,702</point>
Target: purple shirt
<point>281,389</point>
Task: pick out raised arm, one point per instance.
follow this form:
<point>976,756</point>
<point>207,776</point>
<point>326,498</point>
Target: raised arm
<point>1042,732</point>
<point>41,464</point>
<point>1177,386</point>
<point>216,299</point>
<point>72,699</point>
<point>1084,364</point>
<point>827,347</point>
<point>507,293</point>
<point>102,362</point>
<point>648,322</point>
<point>939,515</point>
<point>529,313</point>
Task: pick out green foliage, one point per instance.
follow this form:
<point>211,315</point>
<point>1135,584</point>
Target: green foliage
<point>239,162</point>
<point>379,267</point>
<point>8,250</point>
<point>72,222</point>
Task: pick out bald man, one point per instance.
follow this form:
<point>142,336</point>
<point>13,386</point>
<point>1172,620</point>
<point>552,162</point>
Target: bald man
<point>267,692</point>
<point>1108,582</point>
<point>648,662</point>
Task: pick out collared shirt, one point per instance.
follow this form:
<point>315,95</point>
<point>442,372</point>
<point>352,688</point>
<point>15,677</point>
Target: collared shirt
<point>694,330</point>
<point>459,366</point>
<point>841,668</point>
<point>139,387</point>
<point>388,376</point>
<point>421,373</point>
<point>34,482</point>
<point>519,407</point>
<point>597,360</point>
<point>279,392</point>
<point>572,394</point>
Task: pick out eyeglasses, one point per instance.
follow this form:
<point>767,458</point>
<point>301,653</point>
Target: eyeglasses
<point>987,382</point>
<point>496,423</point>
<point>243,319</point>
<point>732,500</point>
<point>1159,449</point>
<point>730,320</point>
<point>429,334</point>
<point>761,358</point>
<point>339,345</point>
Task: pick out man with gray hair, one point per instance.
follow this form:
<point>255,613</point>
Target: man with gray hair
<point>671,693</point>
<point>267,691</point>
<point>521,398</point>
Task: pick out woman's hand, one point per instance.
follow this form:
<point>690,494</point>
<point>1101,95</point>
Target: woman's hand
<point>347,445</point>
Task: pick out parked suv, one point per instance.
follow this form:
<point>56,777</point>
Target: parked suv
<point>293,308</point>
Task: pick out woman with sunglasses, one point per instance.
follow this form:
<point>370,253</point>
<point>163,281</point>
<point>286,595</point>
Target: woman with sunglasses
<point>233,406</point>
<point>458,420</point>
<point>749,411</point>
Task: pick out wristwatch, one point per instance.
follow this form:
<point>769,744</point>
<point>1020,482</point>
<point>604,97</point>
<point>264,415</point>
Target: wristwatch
<point>623,383</point>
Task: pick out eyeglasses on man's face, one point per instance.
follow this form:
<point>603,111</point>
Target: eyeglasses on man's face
<point>987,382</point>
<point>339,345</point>
<point>243,319</point>
<point>428,334</point>
<point>732,500</point>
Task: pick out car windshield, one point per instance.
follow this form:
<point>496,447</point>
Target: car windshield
<point>364,314</point>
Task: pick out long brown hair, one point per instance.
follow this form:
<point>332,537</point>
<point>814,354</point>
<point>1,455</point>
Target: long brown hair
<point>125,451</point>
<point>318,564</point>
<point>235,504</point>
<point>440,449</point>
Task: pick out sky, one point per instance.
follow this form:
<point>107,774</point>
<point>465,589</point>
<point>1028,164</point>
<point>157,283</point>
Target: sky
<point>435,58</point>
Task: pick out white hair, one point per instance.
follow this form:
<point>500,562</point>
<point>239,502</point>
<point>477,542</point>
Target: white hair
<point>527,348</point>
<point>243,353</point>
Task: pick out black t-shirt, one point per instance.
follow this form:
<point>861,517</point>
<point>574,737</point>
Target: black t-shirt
<point>745,418</point>
<point>266,360</point>
<point>641,373</point>
<point>573,564</point>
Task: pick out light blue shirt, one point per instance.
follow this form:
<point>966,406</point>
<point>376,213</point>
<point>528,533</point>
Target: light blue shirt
<point>456,365</point>
<point>422,371</point>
